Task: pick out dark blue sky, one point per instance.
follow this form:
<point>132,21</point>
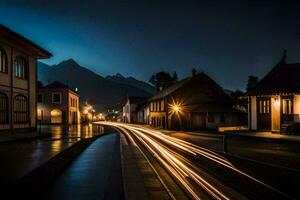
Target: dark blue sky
<point>137,38</point>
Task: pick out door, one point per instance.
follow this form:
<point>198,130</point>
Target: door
<point>264,113</point>
<point>56,116</point>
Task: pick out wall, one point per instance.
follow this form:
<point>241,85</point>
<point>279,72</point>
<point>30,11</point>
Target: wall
<point>297,108</point>
<point>253,113</point>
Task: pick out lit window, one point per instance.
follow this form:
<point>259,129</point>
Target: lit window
<point>264,106</point>
<point>20,67</point>
<point>56,97</point>
<point>162,105</point>
<point>39,114</point>
<point>287,106</point>
<point>21,114</point>
<point>3,61</point>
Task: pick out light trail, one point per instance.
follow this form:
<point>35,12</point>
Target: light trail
<point>181,170</point>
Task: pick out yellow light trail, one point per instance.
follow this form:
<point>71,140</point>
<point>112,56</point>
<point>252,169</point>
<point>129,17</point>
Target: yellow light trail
<point>176,167</point>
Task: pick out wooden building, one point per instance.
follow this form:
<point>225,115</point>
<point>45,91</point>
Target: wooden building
<point>275,101</point>
<point>197,102</point>
<point>58,104</point>
<point>18,78</point>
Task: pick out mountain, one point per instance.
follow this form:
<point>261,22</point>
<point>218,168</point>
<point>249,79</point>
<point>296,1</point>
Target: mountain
<point>92,87</point>
<point>132,82</point>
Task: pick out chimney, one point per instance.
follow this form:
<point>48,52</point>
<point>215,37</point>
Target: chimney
<point>283,59</point>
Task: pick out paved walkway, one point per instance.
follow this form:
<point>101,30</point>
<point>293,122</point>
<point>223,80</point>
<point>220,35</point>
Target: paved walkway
<point>267,135</point>
<point>95,174</point>
<point>258,134</point>
<point>140,181</point>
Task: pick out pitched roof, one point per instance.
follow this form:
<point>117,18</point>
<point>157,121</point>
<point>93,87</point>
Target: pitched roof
<point>283,78</point>
<point>202,80</point>
<point>137,99</point>
<point>39,51</point>
<point>170,89</point>
<point>56,84</point>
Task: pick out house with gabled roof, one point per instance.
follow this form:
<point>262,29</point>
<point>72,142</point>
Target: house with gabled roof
<point>18,78</point>
<point>196,102</point>
<point>274,102</point>
<point>58,104</point>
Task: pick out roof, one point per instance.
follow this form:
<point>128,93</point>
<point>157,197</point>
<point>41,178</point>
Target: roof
<point>202,80</point>
<point>170,89</point>
<point>39,51</point>
<point>283,78</point>
<point>56,84</point>
<point>137,99</point>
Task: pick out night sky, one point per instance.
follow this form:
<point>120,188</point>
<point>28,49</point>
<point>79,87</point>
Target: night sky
<point>137,38</point>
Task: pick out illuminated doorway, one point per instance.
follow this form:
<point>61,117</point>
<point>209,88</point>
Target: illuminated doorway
<point>56,116</point>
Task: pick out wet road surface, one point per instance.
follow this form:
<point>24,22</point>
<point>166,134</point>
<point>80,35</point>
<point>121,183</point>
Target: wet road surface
<point>94,174</point>
<point>187,160</point>
<point>19,158</point>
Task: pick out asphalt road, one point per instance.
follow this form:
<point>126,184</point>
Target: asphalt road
<point>253,169</point>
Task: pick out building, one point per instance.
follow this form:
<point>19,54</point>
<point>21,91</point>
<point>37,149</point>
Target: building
<point>58,104</point>
<point>142,112</point>
<point>129,109</point>
<point>274,102</point>
<point>18,78</point>
<point>197,102</point>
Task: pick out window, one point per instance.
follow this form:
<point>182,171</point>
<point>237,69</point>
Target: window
<point>40,98</point>
<point>158,106</point>
<point>162,105</point>
<point>3,61</point>
<point>56,97</point>
<point>3,108</point>
<point>264,106</point>
<point>287,106</point>
<point>21,114</point>
<point>20,67</point>
<point>39,114</point>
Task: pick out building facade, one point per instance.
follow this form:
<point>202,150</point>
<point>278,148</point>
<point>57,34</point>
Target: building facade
<point>130,108</point>
<point>197,102</point>
<point>274,102</point>
<point>18,78</point>
<point>143,112</point>
<point>58,104</point>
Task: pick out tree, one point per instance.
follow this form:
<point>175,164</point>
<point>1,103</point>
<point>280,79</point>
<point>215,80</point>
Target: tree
<point>175,76</point>
<point>194,71</point>
<point>162,80</point>
<point>252,82</point>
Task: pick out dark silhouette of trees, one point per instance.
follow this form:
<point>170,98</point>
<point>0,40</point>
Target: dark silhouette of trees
<point>194,72</point>
<point>162,80</point>
<point>252,82</point>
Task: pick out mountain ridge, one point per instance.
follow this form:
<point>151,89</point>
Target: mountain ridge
<point>97,90</point>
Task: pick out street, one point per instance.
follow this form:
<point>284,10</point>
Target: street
<point>251,169</point>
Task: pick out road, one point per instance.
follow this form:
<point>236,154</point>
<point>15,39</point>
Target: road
<point>203,172</point>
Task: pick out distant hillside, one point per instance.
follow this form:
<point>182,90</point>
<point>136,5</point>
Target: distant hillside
<point>132,82</point>
<point>92,87</point>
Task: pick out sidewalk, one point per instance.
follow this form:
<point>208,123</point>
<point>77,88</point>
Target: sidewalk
<point>266,135</point>
<point>95,174</point>
<point>252,134</point>
<point>140,182</point>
